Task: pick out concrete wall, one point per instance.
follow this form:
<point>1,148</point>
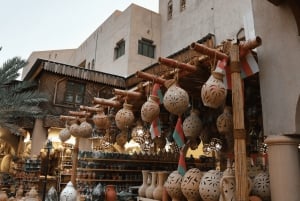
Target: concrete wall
<point>279,67</point>
<point>221,18</point>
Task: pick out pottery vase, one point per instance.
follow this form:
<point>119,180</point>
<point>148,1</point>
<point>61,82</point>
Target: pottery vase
<point>173,186</point>
<point>158,191</point>
<point>110,193</point>
<point>150,189</point>
<point>124,117</point>
<point>101,120</point>
<point>190,184</point>
<point>69,193</point>
<point>227,184</point>
<point>144,186</point>
<point>176,99</point>
<point>213,91</point>
<point>261,186</point>
<point>86,129</point>
<point>192,125</point>
<point>150,109</point>
<point>209,187</point>
<point>225,121</point>
<point>64,134</point>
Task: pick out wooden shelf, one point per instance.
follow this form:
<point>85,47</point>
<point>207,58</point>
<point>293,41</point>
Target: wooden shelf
<point>108,180</point>
<point>107,170</point>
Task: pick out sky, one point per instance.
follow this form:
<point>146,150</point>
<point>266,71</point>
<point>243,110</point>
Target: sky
<point>37,25</point>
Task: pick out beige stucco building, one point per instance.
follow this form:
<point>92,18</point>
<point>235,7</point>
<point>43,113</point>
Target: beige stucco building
<point>178,24</point>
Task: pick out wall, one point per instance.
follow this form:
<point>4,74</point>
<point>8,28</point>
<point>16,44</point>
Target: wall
<point>279,67</point>
<point>221,18</point>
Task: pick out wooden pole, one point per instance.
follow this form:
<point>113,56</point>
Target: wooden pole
<point>240,159</point>
<point>75,162</point>
<point>176,64</point>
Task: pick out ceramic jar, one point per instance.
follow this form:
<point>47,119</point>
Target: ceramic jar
<point>192,125</point>
<point>261,186</point>
<point>150,189</point>
<point>209,187</point>
<point>190,184</point>
<point>227,185</point>
<point>3,196</point>
<point>75,130</point>
<point>124,117</point>
<point>64,134</point>
<point>225,121</point>
<point>110,193</point>
<point>213,91</point>
<point>69,193</point>
<point>86,129</point>
<point>101,120</point>
<point>144,186</point>
<point>158,191</point>
<point>150,109</point>
<point>176,99</point>
<point>32,195</point>
<point>52,194</point>
<point>173,186</point>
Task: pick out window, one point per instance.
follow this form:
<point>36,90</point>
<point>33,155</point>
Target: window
<point>74,92</point>
<point>170,9</point>
<point>182,5</point>
<point>146,48</point>
<point>119,49</point>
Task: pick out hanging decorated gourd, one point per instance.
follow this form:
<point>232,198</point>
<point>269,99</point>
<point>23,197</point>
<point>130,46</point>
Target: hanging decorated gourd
<point>124,117</point>
<point>150,109</point>
<point>64,134</point>
<point>192,125</point>
<point>101,120</point>
<point>86,129</point>
<point>75,130</point>
<point>225,121</point>
<point>213,92</point>
<point>176,99</point>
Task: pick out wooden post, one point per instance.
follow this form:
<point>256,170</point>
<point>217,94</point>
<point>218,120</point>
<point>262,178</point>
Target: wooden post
<point>240,159</point>
<point>75,162</point>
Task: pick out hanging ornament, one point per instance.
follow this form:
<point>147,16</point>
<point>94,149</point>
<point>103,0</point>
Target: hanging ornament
<point>150,109</point>
<point>64,134</point>
<point>101,120</point>
<point>75,130</point>
<point>225,121</point>
<point>176,99</point>
<point>213,92</point>
<point>124,117</point>
<point>192,125</point>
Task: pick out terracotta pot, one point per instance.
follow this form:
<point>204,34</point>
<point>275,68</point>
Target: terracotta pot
<point>101,120</point>
<point>86,129</point>
<point>190,184</point>
<point>75,130</point>
<point>64,134</point>
<point>110,193</point>
<point>158,191</point>
<point>213,92</point>
<point>150,189</point>
<point>124,117</point>
<point>176,100</point>
<point>209,187</point>
<point>150,109</point>
<point>144,186</point>
<point>225,121</point>
<point>3,196</point>
<point>192,125</point>
<point>69,193</point>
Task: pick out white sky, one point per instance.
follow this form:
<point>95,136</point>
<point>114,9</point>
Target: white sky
<point>36,25</point>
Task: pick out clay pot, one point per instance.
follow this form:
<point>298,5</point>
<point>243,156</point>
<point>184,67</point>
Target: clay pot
<point>32,195</point>
<point>150,109</point>
<point>173,186</point>
<point>150,189</point>
<point>110,193</point>
<point>3,196</point>
<point>144,186</point>
<point>261,186</point>
<point>69,193</point>
<point>86,129</point>
<point>176,99</point>
<point>209,187</point>
<point>124,117</point>
<point>190,184</point>
<point>158,191</point>
<point>213,92</point>
<point>101,120</point>
<point>64,134</point>
<point>75,130</point>
<point>192,125</point>
<point>52,194</point>
<point>225,121</point>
